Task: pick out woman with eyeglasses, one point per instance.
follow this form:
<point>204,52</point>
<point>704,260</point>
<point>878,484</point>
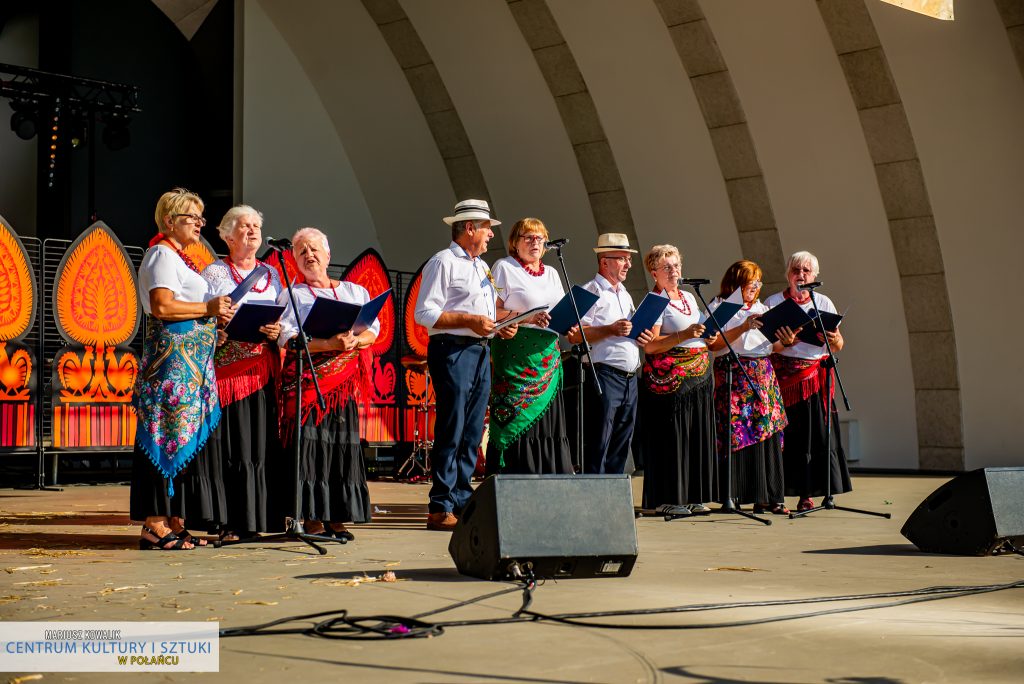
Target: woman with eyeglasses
<point>676,417</point>
<point>752,417</point>
<point>247,377</point>
<point>802,378</point>
<point>527,425</point>
<point>176,391</point>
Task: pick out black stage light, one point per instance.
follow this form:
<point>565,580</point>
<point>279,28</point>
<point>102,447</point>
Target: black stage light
<point>23,120</point>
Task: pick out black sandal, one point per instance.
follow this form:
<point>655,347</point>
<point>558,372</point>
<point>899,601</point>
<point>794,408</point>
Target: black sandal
<point>343,533</point>
<point>160,544</point>
<point>190,538</point>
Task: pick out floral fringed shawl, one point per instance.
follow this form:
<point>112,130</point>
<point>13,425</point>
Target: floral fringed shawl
<point>176,393</point>
<point>527,375</point>
<point>755,413</point>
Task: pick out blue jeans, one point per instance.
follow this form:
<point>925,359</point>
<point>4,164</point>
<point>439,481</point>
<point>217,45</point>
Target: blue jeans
<point>461,375</point>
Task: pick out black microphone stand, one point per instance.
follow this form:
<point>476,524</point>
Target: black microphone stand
<point>728,504</point>
<point>831,364</point>
<point>294,530</point>
<point>585,353</point>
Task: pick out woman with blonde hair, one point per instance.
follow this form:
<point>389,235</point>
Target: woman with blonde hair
<point>676,417</point>
<point>176,391</point>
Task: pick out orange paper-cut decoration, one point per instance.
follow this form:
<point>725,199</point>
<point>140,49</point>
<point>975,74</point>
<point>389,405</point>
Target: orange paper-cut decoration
<point>368,270</point>
<point>201,253</point>
<point>415,334</point>
<point>17,285</point>
<point>95,297</point>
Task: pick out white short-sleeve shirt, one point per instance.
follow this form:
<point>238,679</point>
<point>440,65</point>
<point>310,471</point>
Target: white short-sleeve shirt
<point>162,267</point>
<point>612,305</point>
<point>222,283</point>
<point>305,296</point>
<point>521,291</point>
<point>679,315</point>
<point>802,350</point>
<point>751,343</point>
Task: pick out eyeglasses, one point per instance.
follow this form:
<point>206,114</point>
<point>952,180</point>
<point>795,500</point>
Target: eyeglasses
<point>533,239</point>
<point>620,259</point>
<point>671,268</point>
<point>798,270</point>
<point>193,218</point>
<point>756,285</point>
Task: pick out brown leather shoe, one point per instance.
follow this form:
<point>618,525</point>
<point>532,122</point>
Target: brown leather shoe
<point>443,521</point>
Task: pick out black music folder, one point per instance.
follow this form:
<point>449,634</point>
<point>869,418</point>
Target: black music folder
<point>788,314</point>
<point>329,317</point>
<point>245,324</point>
<point>809,334</point>
<point>723,313</point>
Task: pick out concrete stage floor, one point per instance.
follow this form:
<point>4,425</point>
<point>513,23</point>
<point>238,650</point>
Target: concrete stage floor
<point>87,567</point>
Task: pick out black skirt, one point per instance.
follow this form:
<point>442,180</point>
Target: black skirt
<point>541,450</point>
<point>677,444</point>
<point>239,449</point>
<point>804,454</point>
<point>757,473</point>
<point>332,473</point>
<point>198,491</point>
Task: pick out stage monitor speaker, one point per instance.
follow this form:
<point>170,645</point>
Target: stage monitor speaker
<point>972,514</point>
<point>556,526</point>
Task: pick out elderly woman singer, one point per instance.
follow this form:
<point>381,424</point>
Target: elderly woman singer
<point>332,474</point>
<point>247,374</point>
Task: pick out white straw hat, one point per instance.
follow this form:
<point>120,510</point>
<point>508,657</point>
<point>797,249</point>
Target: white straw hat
<point>613,242</point>
<point>472,210</point>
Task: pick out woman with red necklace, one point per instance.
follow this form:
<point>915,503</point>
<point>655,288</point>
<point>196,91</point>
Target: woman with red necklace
<point>247,374</point>
<point>176,391</point>
<point>751,417</point>
<point>802,378</point>
<point>527,424</point>
<point>331,468</point>
<point>676,416</point>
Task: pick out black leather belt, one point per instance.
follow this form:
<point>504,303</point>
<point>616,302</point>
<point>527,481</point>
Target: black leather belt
<point>617,371</point>
<point>460,340</point>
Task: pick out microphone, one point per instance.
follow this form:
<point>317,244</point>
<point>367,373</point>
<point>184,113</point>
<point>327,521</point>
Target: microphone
<point>809,286</point>
<point>555,243</point>
<point>279,243</point>
<point>694,281</point>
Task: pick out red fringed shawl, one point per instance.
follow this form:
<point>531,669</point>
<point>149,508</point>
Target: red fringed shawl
<point>342,375</point>
<point>244,368</point>
<point>799,378</point>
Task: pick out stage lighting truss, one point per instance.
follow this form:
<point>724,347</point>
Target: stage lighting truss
<point>58,106</point>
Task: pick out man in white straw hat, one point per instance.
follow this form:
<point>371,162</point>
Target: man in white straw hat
<point>610,416</point>
<point>457,304</point>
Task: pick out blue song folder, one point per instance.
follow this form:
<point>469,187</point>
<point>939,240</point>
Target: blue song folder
<point>562,315</point>
<point>647,314</point>
<point>329,317</point>
<point>245,324</point>
<point>789,314</point>
<point>723,313</point>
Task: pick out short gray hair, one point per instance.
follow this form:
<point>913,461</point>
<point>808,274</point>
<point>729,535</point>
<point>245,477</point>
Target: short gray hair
<point>231,218</point>
<point>309,234</point>
<point>803,258</point>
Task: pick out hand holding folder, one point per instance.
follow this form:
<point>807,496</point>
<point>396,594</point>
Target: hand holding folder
<point>246,323</point>
<point>329,317</point>
<point>647,314</point>
<point>788,314</point>
<point>562,315</point>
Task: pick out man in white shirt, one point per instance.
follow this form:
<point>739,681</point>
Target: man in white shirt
<point>609,417</point>
<point>456,304</point>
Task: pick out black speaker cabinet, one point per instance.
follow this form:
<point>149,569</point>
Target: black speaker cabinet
<point>972,514</point>
<point>557,526</point>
